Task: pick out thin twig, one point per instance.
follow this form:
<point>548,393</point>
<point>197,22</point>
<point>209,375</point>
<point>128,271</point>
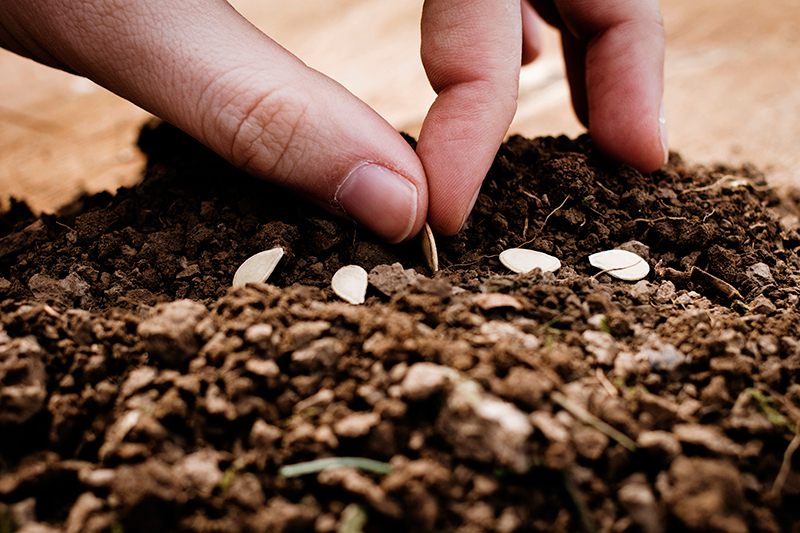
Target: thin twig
<point>607,385</point>
<point>590,420</point>
<point>708,215</point>
<point>712,282</point>
<point>545,223</point>
<point>652,220</point>
<point>463,265</point>
<point>714,185</point>
<point>792,411</point>
<point>608,191</point>
<point>707,187</point>
<point>547,326</point>
<point>64,225</point>
<point>786,466</point>
<point>50,311</point>
<point>580,504</point>
<point>728,178</point>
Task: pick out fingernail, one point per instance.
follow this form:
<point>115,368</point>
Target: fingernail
<point>382,200</point>
<point>662,123</point>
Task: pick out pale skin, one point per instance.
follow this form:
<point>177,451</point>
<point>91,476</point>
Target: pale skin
<point>201,66</point>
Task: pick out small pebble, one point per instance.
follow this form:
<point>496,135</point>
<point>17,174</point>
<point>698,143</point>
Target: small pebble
<point>356,425</point>
<point>423,380</point>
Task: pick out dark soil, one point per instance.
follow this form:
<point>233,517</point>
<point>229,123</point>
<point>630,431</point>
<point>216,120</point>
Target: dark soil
<point>138,392</point>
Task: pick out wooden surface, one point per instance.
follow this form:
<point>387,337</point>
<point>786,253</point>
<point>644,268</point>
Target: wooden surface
<point>732,71</point>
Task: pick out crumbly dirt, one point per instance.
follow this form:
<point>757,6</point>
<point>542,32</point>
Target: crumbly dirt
<point>139,392</point>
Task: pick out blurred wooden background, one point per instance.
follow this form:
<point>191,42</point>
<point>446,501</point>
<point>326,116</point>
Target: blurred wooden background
<point>732,77</point>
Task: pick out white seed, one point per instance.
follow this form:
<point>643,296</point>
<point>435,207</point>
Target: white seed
<point>429,248</point>
<point>621,264</point>
<point>258,267</point>
<point>350,284</point>
<point>522,260</point>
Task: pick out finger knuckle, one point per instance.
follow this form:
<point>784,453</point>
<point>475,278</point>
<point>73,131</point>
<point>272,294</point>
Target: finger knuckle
<point>263,134</point>
<point>268,138</point>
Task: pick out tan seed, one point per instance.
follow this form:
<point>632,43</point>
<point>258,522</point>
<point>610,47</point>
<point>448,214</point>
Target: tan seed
<point>350,284</point>
<point>429,248</point>
<point>257,268</point>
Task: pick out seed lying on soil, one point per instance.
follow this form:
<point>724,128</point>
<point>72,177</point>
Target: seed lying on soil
<point>429,248</point>
<point>257,268</point>
<point>522,260</point>
<point>621,264</point>
<point>350,284</point>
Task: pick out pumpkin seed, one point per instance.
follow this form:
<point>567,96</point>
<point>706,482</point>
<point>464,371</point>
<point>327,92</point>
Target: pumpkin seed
<point>621,264</point>
<point>257,268</point>
<point>350,284</point>
<point>522,260</point>
<point>429,248</point>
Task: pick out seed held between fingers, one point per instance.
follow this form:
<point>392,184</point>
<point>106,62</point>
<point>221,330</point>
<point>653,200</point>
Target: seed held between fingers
<point>429,248</point>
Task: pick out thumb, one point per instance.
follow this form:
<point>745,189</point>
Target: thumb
<point>201,66</point>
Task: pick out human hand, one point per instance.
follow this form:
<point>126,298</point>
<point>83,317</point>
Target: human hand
<point>201,66</point>
<point>614,53</point>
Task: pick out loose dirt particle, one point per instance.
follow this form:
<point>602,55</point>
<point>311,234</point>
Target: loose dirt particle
<point>356,425</point>
<point>423,380</point>
<point>704,494</point>
<point>484,428</point>
<point>22,380</point>
<point>169,334</point>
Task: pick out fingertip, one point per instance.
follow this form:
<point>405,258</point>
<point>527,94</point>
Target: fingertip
<point>531,38</point>
<point>625,88</point>
<point>615,62</point>
<point>447,222</point>
<point>646,151</point>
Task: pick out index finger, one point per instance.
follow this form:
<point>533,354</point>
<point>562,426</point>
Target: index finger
<point>471,51</point>
<point>615,60</point>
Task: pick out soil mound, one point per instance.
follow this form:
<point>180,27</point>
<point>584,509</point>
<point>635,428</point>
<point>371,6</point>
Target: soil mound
<point>139,392</point>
